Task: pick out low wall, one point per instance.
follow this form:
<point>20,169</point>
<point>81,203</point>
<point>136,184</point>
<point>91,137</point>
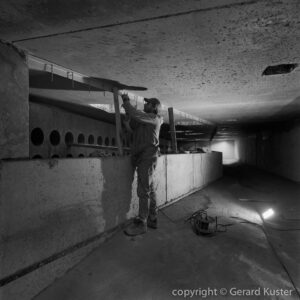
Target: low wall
<point>53,212</point>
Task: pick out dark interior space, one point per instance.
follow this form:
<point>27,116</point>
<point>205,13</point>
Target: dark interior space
<point>226,176</point>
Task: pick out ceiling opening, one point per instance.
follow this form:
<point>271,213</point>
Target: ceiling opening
<point>279,69</point>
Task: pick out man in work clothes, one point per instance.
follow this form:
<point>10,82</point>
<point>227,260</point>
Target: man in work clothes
<point>144,150</point>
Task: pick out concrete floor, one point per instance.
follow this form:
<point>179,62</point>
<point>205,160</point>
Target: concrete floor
<point>161,263</point>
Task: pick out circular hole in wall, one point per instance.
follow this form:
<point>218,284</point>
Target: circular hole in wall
<point>69,155</point>
<point>37,156</point>
<point>113,141</point>
<point>99,140</point>
<point>113,154</point>
<point>81,155</point>
<point>54,138</point>
<point>55,156</point>
<point>69,138</point>
<point>91,139</point>
<point>37,136</point>
<point>81,139</point>
<point>106,142</point>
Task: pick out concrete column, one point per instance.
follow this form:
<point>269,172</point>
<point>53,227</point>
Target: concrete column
<point>14,107</point>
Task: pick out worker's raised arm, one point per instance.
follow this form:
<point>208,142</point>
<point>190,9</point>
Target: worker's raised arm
<point>140,116</point>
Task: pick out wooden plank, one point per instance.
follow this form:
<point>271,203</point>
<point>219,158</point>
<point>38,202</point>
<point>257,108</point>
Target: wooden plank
<point>172,129</point>
<point>118,121</point>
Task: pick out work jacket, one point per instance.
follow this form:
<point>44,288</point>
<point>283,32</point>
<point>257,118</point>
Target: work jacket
<point>146,127</point>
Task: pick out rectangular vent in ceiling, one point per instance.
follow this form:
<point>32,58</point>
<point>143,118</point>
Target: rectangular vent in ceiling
<point>279,69</point>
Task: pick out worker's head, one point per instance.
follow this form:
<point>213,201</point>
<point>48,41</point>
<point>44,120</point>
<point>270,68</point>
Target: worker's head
<point>151,105</point>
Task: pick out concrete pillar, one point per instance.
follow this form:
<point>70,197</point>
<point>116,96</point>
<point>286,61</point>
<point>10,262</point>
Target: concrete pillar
<point>14,107</point>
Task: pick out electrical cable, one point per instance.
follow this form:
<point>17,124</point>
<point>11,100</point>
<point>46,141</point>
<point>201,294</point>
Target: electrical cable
<point>262,227</point>
<point>195,224</point>
<point>283,229</point>
<point>280,260</point>
<point>288,219</point>
<point>266,225</point>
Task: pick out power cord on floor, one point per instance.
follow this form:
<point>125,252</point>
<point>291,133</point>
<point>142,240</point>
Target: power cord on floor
<point>280,260</point>
<point>289,219</point>
<point>200,222</point>
<point>262,227</point>
<point>266,225</point>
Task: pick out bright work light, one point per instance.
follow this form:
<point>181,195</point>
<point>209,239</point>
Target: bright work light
<point>268,213</point>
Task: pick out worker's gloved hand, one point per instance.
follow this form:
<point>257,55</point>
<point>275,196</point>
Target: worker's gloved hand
<point>125,97</point>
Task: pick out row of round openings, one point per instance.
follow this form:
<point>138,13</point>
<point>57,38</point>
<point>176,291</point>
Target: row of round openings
<point>37,138</point>
<point>91,140</point>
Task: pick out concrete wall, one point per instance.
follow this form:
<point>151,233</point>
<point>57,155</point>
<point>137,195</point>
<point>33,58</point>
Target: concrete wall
<point>228,149</point>
<point>14,116</point>
<point>48,206</point>
<point>246,150</point>
<point>278,151</point>
<point>48,119</point>
<point>275,150</point>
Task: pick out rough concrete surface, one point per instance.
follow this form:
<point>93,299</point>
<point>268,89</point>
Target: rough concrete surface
<point>26,287</point>
<point>275,150</point>
<point>203,57</point>
<point>279,152</point>
<point>49,118</point>
<point>48,206</point>
<point>156,264</point>
<point>14,107</point>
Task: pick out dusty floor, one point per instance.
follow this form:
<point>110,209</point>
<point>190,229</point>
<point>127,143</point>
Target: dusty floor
<point>173,260</point>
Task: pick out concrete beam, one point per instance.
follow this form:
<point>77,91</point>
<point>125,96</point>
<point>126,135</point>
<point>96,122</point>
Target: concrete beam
<point>39,64</point>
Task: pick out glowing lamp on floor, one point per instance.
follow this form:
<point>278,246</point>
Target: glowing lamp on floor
<point>268,213</point>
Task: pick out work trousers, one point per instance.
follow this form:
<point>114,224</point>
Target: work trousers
<point>146,188</point>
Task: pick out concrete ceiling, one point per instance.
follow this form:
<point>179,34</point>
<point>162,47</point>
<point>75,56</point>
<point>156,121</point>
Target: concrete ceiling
<point>205,58</point>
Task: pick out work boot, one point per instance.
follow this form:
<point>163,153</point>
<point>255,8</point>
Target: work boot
<point>152,222</point>
<point>138,226</point>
